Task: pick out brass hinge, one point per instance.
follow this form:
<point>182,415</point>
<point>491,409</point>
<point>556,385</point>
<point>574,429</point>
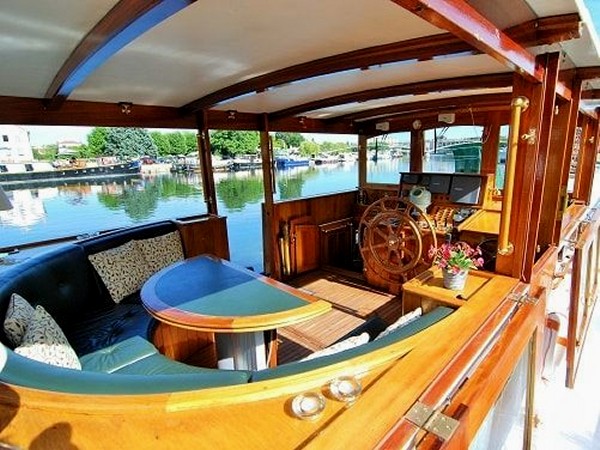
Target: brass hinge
<point>523,297</point>
<point>432,420</point>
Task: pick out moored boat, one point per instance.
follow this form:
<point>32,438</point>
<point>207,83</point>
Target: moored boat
<point>285,162</point>
<point>32,172</point>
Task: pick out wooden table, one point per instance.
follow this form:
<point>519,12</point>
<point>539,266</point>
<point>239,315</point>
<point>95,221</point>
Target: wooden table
<point>484,223</point>
<point>427,290</point>
<point>210,294</point>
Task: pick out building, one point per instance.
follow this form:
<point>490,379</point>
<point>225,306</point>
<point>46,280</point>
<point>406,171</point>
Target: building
<point>14,144</point>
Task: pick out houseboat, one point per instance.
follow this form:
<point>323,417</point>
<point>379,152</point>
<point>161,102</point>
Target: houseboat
<point>350,338</point>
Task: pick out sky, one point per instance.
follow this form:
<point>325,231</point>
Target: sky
<point>40,135</point>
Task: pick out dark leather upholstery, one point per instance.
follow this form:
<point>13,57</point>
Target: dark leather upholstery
<point>65,283</point>
<point>62,281</point>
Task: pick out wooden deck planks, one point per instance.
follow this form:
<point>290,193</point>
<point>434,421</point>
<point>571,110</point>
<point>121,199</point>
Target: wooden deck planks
<point>353,303</point>
<point>351,295</point>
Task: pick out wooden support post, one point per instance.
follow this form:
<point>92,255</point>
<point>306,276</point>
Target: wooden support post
<point>545,131</point>
<point>205,157</point>
<point>269,233</point>
<point>570,140</point>
<point>587,160</point>
<point>417,150</point>
<point>362,161</point>
<point>554,191</point>
<point>533,142</point>
<point>491,142</point>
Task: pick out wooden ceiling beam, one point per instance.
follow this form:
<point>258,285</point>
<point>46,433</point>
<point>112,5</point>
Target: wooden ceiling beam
<point>548,30</point>
<point>498,80</point>
<point>32,111</point>
<point>125,22</point>
<point>465,22</point>
<point>472,102</point>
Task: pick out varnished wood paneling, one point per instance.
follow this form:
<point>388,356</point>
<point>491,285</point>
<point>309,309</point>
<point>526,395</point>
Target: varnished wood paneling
<point>315,210</point>
<point>182,344</point>
<point>206,234</point>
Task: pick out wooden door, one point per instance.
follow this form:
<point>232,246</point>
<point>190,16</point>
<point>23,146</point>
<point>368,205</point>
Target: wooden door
<point>304,245</point>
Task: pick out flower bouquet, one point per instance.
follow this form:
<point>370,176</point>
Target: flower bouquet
<point>456,260</point>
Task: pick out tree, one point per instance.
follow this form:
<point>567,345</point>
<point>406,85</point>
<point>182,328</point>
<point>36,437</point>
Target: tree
<point>96,141</point>
<point>47,152</point>
<point>334,147</point>
<point>191,142</point>
<point>309,148</point>
<point>290,139</point>
<point>127,143</point>
<point>177,143</point>
<point>232,143</point>
<point>162,143</point>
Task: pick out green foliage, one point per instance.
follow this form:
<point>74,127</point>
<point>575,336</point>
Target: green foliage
<point>46,153</point>
<point>127,143</point>
<point>96,142</point>
<point>191,142</point>
<point>230,143</point>
<point>162,143</point>
<point>289,139</point>
<point>335,147</point>
<point>177,143</point>
<point>309,148</point>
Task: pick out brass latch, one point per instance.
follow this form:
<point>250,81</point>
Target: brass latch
<point>432,420</point>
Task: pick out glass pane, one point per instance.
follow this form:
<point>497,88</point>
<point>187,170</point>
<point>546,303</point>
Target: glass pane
<point>501,165</point>
<point>453,149</point>
<point>387,156</point>
<point>504,426</point>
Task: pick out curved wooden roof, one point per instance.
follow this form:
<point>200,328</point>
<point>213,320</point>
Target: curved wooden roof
<point>327,62</point>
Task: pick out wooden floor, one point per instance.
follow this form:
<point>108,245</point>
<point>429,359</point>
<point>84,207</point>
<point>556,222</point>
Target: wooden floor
<point>353,301</point>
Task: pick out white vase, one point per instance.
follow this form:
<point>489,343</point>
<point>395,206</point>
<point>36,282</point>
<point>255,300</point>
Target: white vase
<point>455,281</point>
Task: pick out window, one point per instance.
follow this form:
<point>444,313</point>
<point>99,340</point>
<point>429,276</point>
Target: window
<point>453,149</point>
<point>387,156</point>
<point>501,161</point>
<point>5,138</point>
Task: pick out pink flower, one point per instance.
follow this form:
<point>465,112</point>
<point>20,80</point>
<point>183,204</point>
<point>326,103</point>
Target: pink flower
<point>456,257</point>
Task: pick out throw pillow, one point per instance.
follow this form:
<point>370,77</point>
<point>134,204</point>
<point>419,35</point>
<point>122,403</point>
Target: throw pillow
<point>18,316</point>
<point>346,344</point>
<point>402,321</point>
<point>44,341</point>
<point>123,269</point>
<point>161,251</point>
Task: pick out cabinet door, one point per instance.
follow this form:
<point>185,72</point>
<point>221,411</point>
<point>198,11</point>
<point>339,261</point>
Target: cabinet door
<point>305,247</point>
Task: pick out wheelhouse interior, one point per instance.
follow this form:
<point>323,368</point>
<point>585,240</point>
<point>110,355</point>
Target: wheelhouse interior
<point>521,76</point>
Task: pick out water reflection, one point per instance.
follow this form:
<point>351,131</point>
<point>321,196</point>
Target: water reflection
<point>59,208</point>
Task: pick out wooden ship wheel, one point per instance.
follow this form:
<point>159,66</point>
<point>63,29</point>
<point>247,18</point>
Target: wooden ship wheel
<point>395,236</point>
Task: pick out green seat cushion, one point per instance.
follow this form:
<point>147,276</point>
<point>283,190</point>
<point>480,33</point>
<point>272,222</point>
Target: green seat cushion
<point>158,364</point>
<point>22,371</point>
<point>412,328</point>
<point>119,355</point>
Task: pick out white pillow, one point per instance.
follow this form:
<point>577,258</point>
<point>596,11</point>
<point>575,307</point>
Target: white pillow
<point>44,341</point>
<point>346,344</point>
<point>161,251</point>
<point>402,321</point>
<point>18,316</point>
<point>123,269</point>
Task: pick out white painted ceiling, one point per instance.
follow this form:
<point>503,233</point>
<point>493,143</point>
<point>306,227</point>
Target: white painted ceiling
<point>213,44</point>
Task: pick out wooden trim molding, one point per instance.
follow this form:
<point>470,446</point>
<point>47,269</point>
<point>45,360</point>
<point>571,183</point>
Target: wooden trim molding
<point>124,23</point>
<point>462,20</point>
<point>548,30</point>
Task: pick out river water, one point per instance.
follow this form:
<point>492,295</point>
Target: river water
<point>72,209</point>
